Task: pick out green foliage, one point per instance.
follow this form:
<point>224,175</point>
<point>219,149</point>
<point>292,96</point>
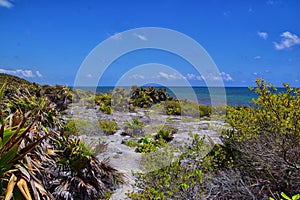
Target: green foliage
<point>186,108</point>
<point>134,128</point>
<point>181,179</point>
<point>166,133</point>
<point>18,138</point>
<point>146,97</point>
<point>104,101</point>
<point>121,100</point>
<point>79,174</point>
<point>259,156</point>
<point>286,197</point>
<point>36,161</point>
<point>172,107</point>
<point>76,127</point>
<point>109,127</point>
<point>131,143</point>
<point>268,136</point>
<point>147,145</point>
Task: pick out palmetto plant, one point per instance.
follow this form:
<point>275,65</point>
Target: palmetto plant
<point>38,162</point>
<point>77,174</point>
<point>16,168</point>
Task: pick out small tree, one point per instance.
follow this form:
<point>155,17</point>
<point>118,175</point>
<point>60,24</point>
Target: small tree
<point>268,136</point>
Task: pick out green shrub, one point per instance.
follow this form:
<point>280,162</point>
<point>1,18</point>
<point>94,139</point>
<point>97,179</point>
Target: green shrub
<point>146,145</point>
<point>76,127</point>
<point>131,143</point>
<point>134,128</point>
<point>109,127</point>
<point>186,107</point>
<point>172,107</point>
<point>166,133</point>
<point>146,97</point>
<point>104,102</point>
<point>181,179</point>
<point>259,157</point>
<point>268,136</point>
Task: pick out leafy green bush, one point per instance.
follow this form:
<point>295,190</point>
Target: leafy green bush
<point>146,145</point>
<point>166,133</point>
<point>186,107</point>
<point>146,97</point>
<point>76,127</point>
<point>109,127</point>
<point>104,101</point>
<point>268,137</point>
<point>181,179</point>
<point>131,143</point>
<point>134,128</point>
<point>172,107</point>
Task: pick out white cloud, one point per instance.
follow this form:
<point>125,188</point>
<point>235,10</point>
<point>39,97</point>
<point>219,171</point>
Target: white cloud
<point>226,77</point>
<point>255,73</point>
<point>288,40</point>
<point>141,37</point>
<point>137,76</point>
<point>194,77</point>
<point>214,77</point>
<point>38,74</point>
<point>173,76</point>
<point>263,35</point>
<point>257,58</point>
<point>21,72</point>
<point>6,3</point>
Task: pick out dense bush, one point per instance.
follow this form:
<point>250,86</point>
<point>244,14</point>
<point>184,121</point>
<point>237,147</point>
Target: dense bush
<point>104,102</point>
<point>109,127</point>
<point>82,127</point>
<point>268,136</point>
<point>78,127</point>
<point>146,145</point>
<point>146,97</point>
<point>166,133</point>
<point>186,108</point>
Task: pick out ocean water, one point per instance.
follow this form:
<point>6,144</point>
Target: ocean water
<point>234,96</point>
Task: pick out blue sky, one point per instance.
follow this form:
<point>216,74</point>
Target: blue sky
<point>47,41</point>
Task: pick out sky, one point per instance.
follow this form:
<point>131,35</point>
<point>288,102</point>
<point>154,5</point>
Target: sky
<point>48,41</point>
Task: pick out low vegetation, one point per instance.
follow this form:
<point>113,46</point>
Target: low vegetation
<point>259,157</point>
<point>134,128</point>
<point>39,161</point>
<point>109,127</point>
<point>186,108</point>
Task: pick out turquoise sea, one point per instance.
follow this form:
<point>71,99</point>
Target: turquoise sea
<point>235,96</point>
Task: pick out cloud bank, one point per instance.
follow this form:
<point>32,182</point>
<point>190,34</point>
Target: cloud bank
<point>23,73</point>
